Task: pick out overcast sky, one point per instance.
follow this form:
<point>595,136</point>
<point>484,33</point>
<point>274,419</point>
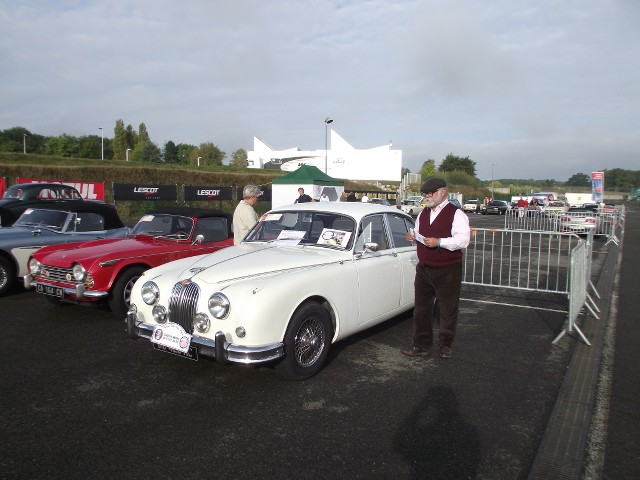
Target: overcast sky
<point>540,89</point>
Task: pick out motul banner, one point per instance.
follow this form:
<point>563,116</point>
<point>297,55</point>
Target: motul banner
<point>3,186</point>
<point>597,186</point>
<point>88,190</point>
<point>136,191</point>
<point>192,192</point>
<point>265,194</point>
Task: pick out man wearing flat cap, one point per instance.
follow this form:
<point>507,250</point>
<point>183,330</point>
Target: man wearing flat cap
<point>441,232</point>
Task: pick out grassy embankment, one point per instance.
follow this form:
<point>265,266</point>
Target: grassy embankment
<point>18,165</point>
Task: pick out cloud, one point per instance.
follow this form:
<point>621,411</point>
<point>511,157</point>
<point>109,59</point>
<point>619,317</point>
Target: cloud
<point>549,85</point>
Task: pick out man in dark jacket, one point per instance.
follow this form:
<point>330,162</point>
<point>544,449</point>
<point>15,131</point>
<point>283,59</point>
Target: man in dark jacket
<point>441,232</point>
<point>302,197</point>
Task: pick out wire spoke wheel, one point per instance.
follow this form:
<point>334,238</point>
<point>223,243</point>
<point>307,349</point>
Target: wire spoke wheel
<point>309,342</point>
<point>306,342</point>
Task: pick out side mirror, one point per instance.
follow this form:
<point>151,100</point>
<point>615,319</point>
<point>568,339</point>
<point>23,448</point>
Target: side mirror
<point>370,247</point>
<point>198,240</point>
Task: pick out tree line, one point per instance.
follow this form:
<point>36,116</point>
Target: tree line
<point>127,143</point>
<point>462,171</point>
<point>136,146</point>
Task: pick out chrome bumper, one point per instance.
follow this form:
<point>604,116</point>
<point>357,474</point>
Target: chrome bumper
<point>218,349</point>
<point>79,291</point>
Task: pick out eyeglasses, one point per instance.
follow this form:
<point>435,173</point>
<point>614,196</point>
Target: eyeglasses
<point>430,194</point>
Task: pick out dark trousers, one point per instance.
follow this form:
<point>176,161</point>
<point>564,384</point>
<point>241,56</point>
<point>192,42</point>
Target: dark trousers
<point>444,284</point>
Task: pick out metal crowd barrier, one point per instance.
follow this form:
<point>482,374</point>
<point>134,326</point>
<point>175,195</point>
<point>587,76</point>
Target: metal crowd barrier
<point>600,223</point>
<point>518,259</point>
<point>554,262</point>
<point>579,273</point>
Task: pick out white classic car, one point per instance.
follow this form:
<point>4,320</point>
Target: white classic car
<point>307,275</point>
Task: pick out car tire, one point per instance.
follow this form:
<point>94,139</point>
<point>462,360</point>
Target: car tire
<point>306,342</point>
<point>121,290</point>
<point>7,275</point>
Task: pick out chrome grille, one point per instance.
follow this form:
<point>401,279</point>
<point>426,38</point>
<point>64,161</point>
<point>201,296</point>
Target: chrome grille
<point>59,275</point>
<point>182,304</point>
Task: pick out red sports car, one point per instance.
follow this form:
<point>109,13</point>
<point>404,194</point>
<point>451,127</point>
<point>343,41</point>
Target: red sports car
<point>103,271</point>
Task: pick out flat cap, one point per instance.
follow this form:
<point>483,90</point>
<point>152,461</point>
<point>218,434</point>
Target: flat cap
<point>432,185</point>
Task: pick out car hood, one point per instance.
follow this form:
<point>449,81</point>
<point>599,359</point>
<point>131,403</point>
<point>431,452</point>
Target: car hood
<point>248,260</point>
<point>103,249</point>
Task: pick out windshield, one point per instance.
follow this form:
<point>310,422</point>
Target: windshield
<point>308,228</point>
<point>13,193</point>
<point>168,226</point>
<point>53,219</point>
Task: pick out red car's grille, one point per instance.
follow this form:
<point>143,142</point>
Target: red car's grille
<point>60,275</point>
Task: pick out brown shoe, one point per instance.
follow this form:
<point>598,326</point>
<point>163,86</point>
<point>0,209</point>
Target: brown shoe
<point>445,352</point>
<point>416,352</point>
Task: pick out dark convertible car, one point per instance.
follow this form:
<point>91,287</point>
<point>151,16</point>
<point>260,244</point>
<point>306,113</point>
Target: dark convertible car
<point>18,198</point>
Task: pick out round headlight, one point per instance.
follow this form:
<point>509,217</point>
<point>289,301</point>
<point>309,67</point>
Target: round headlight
<point>159,314</point>
<point>79,272</point>
<point>34,266</point>
<point>219,305</point>
<point>201,322</point>
<point>150,293</point>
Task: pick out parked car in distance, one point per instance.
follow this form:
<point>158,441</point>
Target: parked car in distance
<point>17,198</point>
<point>380,201</point>
<point>470,205</point>
<point>306,276</point>
<point>103,271</point>
<point>577,220</point>
<point>555,207</point>
<point>412,207</point>
<point>37,227</point>
<point>496,207</point>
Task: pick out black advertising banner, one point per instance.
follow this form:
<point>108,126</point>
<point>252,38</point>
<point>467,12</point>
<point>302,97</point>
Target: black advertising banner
<point>135,191</point>
<point>192,192</point>
<point>265,194</point>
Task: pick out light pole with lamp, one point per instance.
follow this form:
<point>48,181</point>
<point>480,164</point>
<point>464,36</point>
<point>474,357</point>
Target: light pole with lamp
<point>199,160</point>
<point>492,192</point>
<point>127,153</point>
<point>327,121</point>
<point>24,143</point>
<point>102,150</point>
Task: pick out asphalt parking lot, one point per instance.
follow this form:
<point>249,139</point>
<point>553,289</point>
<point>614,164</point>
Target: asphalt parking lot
<point>81,400</point>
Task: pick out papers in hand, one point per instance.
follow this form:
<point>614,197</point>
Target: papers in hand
<point>418,237</point>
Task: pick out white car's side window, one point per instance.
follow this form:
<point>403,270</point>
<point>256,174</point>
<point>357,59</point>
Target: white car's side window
<point>372,230</point>
<point>399,227</point>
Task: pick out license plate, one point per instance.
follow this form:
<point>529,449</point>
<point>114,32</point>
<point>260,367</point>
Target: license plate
<point>191,354</point>
<point>50,290</point>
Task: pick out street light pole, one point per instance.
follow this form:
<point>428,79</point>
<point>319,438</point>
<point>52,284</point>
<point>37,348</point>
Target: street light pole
<point>199,160</point>
<point>492,192</point>
<point>24,143</point>
<point>127,152</point>
<point>327,121</point>
<point>102,134</point>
